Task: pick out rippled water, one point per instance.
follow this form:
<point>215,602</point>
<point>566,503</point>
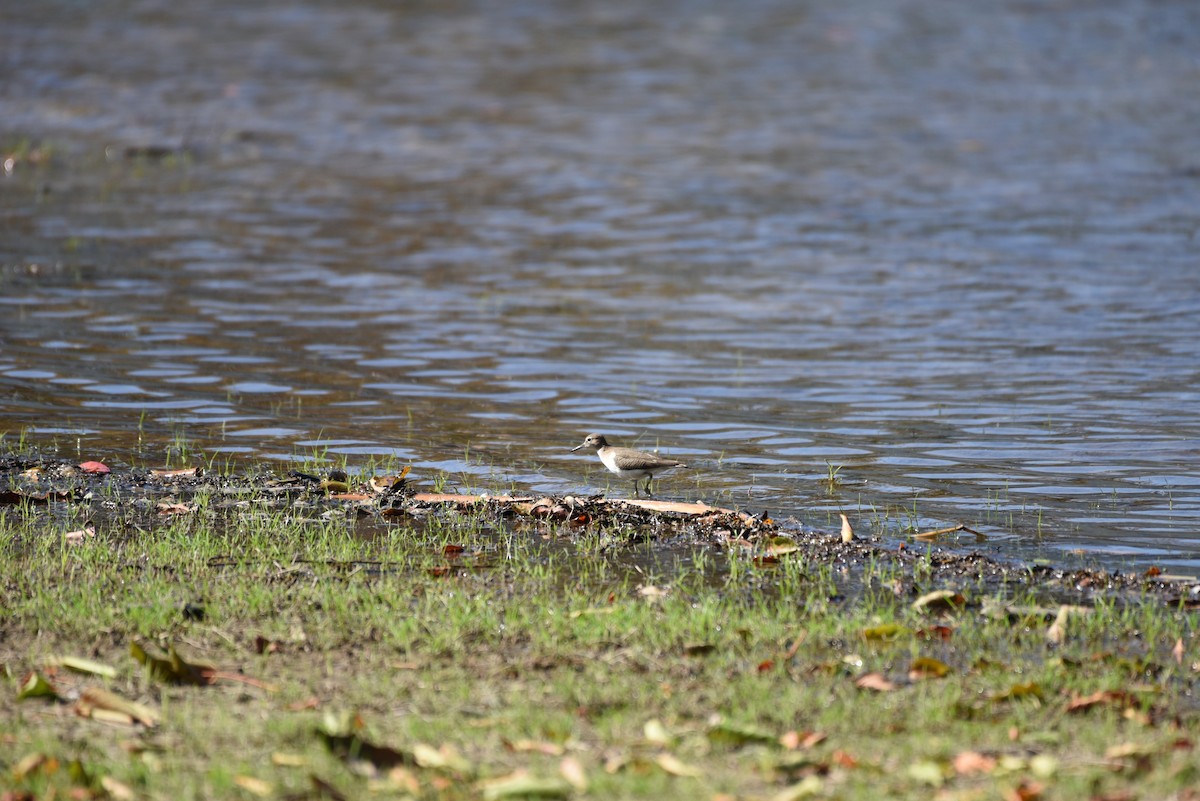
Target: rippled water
<point>948,250</point>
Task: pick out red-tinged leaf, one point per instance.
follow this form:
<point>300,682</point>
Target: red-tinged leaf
<point>453,550</point>
<point>765,561</point>
<point>1177,651</point>
<point>1153,571</point>
<point>967,763</point>
<point>765,665</point>
<point>876,682</point>
<point>438,572</point>
<point>942,633</point>
<point>1182,744</point>
<point>1027,790</point>
<point>94,467</point>
<point>843,760</point>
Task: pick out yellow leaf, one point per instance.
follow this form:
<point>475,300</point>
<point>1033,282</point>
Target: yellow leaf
<point>886,632</point>
<point>80,665</point>
<point>924,667</point>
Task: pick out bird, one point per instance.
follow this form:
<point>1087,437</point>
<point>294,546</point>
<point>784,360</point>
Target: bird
<point>626,462</point>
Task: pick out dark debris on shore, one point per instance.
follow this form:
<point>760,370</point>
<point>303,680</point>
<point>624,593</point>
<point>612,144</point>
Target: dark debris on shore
<point>32,484</point>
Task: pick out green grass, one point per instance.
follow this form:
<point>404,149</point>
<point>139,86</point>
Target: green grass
<point>536,645</point>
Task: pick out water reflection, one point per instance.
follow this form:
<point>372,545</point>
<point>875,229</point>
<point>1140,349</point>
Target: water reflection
<point>917,246</point>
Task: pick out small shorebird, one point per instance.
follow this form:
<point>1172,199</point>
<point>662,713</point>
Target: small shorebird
<point>626,462</point>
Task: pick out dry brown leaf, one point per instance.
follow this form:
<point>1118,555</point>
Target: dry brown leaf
<point>168,508</point>
<point>1177,651</point>
<point>1027,790</point>
<point>1101,697</point>
<point>95,700</point>
<point>874,681</point>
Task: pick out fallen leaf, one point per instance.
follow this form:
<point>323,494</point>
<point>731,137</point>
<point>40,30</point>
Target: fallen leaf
<point>655,733</point>
<point>446,757</point>
<point>1029,689</point>
<point>285,760</point>
<point>1177,651</point>
<point>967,763</point>
<point>117,790</point>
<point>31,762</point>
<point>94,467</point>
<point>535,747</point>
<point>183,472</point>
<point>573,772</point>
<point>95,699</point>
<point>942,633</point>
<point>781,546</point>
<point>924,667</point>
<point>734,734</point>
<point>670,764</point>
<point>874,681</point>
<point>80,535</point>
<point>885,632</point>
<point>843,759</point>
<point>522,785</point>
<point>940,600</point>
<point>36,685</point>
<point>78,664</point>
<point>168,508</point>
<point>255,786</point>
<point>1027,790</point>
<point>1118,698</point>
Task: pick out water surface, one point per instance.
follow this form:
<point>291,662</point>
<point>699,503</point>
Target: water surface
<point>946,250</point>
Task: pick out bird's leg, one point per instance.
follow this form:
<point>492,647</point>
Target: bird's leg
<point>635,488</point>
<point>648,480</point>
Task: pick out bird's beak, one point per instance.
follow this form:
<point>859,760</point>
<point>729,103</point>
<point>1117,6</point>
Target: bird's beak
<point>577,447</point>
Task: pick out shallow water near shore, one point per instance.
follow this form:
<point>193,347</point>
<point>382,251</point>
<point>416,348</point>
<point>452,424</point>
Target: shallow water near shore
<point>944,253</point>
